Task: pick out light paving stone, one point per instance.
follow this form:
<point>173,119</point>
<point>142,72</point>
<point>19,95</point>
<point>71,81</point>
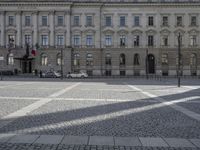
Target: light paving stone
<point>23,139</point>
<point>153,142</point>
<point>101,140</point>
<point>176,142</point>
<point>196,142</point>
<point>49,139</point>
<point>127,141</point>
<point>5,137</point>
<point>69,140</point>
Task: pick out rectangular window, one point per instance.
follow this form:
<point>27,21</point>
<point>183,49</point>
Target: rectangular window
<point>45,40</point>
<point>165,21</point>
<point>11,20</point>
<point>89,40</point>
<point>122,21</point>
<point>108,21</point>
<point>122,40</point>
<point>27,39</point>
<point>193,20</point>
<point>193,40</point>
<point>60,20</point>
<point>108,40</point>
<point>60,40</point>
<point>76,40</point>
<point>165,40</point>
<point>89,21</point>
<point>164,59</point>
<point>76,21</point>
<point>136,21</point>
<point>11,40</point>
<point>150,21</point>
<point>136,40</point>
<point>44,21</point>
<point>27,20</point>
<point>150,40</point>
<point>179,21</point>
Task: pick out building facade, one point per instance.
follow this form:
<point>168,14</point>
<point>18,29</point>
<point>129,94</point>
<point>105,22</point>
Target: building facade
<point>115,37</point>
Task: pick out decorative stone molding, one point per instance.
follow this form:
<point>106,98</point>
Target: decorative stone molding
<point>137,31</point>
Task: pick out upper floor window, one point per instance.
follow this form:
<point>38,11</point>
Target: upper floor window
<point>60,20</point>
<point>60,40</point>
<point>44,21</point>
<point>45,40</point>
<point>150,40</point>
<point>193,21</point>
<point>89,21</point>
<point>165,41</point>
<point>165,21</point>
<point>193,40</point>
<point>77,40</point>
<point>89,40</point>
<point>108,59</point>
<point>137,21</point>
<point>122,21</point>
<point>11,41</point>
<point>11,20</point>
<point>151,21</point>
<point>136,40</point>
<point>108,40</point>
<point>108,21</point>
<point>122,40</point>
<point>76,20</point>
<point>122,59</point>
<point>27,20</point>
<point>164,59</point>
<point>27,39</point>
<point>136,59</point>
<point>193,59</point>
<point>179,21</point>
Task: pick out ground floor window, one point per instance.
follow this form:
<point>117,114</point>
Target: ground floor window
<point>122,72</point>
<point>108,73</point>
<point>89,72</point>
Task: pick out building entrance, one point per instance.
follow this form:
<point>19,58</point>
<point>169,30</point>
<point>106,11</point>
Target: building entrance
<point>151,64</point>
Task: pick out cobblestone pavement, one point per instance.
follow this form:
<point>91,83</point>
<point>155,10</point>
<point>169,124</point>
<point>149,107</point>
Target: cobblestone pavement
<point>106,107</point>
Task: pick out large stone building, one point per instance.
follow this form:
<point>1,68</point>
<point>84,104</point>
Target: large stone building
<point>100,37</point>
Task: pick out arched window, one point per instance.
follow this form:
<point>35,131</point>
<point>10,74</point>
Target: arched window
<point>10,59</point>
<point>76,59</point>
<point>164,59</point>
<point>108,59</point>
<point>122,59</point>
<point>193,59</point>
<point>89,60</point>
<point>136,59</point>
<point>58,59</point>
<point>44,59</point>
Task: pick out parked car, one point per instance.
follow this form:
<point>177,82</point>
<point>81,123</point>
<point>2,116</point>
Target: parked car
<point>51,74</point>
<point>77,75</point>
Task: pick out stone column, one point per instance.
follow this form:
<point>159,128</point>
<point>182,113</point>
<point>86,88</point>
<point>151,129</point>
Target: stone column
<point>51,25</point>
<point>19,28</point>
<point>68,27</point>
<point>35,28</point>
<point>2,27</point>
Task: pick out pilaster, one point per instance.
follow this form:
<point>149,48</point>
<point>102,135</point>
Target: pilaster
<point>52,22</point>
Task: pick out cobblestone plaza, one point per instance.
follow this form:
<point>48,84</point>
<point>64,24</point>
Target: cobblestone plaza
<point>99,114</point>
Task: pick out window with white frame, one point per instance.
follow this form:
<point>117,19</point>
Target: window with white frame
<point>122,40</point>
<point>10,59</point>
<point>60,40</point>
<point>108,21</point>
<point>44,20</point>
<point>27,20</point>
<point>193,21</point>
<point>89,20</point>
<point>11,20</point>
<point>150,21</point>
<point>136,40</point>
<point>45,40</point>
<point>60,20</point>
<point>165,21</point>
<point>11,40</point>
<point>179,20</point>
<point>77,40</point>
<point>44,59</point>
<point>27,39</point>
<point>122,59</point>
<point>76,59</point>
<point>89,59</point>
<point>122,21</point>
<point>58,59</point>
<point>108,59</point>
<point>136,20</point>
<point>164,59</point>
<point>150,40</point>
<point>76,20</point>
<point>164,40</point>
<point>89,40</point>
<point>108,40</point>
<point>193,40</point>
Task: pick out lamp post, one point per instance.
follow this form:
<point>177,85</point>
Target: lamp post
<point>147,65</point>
<point>61,65</point>
<point>179,59</point>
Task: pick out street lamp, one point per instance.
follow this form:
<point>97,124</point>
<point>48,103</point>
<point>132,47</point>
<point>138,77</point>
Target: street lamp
<point>147,65</point>
<point>179,59</point>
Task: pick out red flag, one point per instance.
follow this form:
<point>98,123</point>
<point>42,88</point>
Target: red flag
<point>33,52</point>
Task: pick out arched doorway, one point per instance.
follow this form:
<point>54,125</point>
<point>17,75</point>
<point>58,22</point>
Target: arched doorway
<point>151,64</point>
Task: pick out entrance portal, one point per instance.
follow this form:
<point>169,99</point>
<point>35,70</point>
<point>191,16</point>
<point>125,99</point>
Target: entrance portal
<point>26,66</point>
<point>151,64</point>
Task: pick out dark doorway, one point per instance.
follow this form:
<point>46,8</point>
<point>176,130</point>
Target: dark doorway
<point>151,64</point>
<point>26,67</point>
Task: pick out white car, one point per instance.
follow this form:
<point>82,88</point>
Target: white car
<point>77,75</point>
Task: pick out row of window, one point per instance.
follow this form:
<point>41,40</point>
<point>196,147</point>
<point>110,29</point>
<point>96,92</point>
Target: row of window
<point>108,21</point>
<point>108,40</point>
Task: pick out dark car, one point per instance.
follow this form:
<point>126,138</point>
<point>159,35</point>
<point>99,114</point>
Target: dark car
<point>51,74</point>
